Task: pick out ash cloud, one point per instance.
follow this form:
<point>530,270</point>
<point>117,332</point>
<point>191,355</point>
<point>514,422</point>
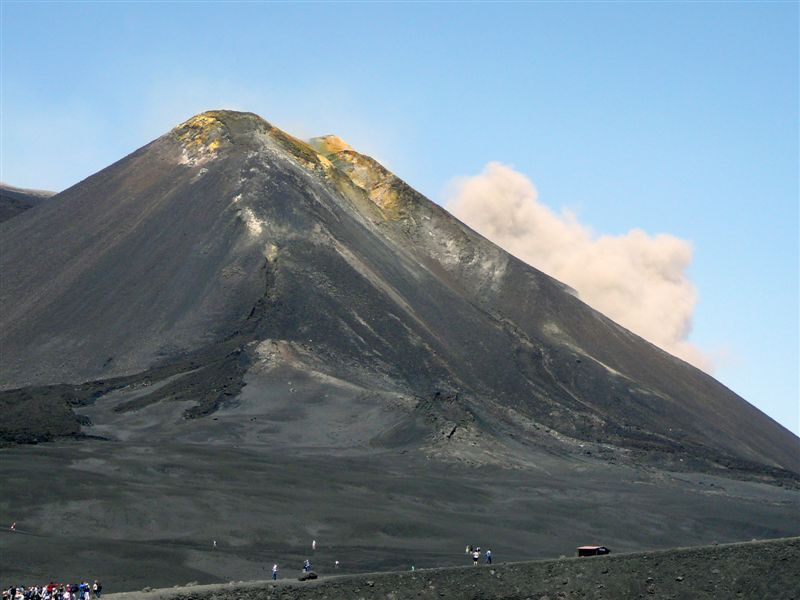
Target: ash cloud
<point>638,280</point>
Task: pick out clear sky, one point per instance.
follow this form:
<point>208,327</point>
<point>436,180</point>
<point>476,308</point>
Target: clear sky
<point>677,118</point>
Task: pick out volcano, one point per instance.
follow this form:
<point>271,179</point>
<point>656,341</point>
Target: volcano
<point>234,334</point>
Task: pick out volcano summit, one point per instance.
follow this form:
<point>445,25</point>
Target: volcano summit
<point>253,339</point>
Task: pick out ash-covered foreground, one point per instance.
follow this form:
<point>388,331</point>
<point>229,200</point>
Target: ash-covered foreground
<point>754,570</point>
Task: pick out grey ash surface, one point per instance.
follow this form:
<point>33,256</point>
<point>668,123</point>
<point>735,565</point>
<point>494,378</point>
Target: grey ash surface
<point>228,335</point>
<point>144,513</point>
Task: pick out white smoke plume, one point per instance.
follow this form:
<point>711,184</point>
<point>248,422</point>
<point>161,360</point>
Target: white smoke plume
<point>636,279</point>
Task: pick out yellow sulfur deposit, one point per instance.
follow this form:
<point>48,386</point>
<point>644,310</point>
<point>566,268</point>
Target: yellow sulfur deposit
<point>362,170</point>
<point>201,136</point>
<point>329,144</point>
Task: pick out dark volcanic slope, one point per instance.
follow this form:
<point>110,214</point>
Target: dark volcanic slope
<point>14,201</point>
<point>226,233</point>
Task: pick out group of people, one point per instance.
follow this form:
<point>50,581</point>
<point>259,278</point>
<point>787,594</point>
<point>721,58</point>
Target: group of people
<point>475,553</point>
<point>55,591</point>
<point>307,568</point>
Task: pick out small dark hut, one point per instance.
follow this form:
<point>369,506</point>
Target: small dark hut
<point>592,550</point>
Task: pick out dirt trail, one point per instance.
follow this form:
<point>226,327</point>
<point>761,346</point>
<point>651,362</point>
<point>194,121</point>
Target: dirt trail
<point>750,570</point>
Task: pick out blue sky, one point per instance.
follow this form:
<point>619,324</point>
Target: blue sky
<point>677,118</point>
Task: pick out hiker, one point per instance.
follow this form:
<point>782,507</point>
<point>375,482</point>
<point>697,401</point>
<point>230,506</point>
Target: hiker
<point>97,588</point>
<point>488,556</point>
<point>306,566</point>
<point>476,555</point>
<point>336,564</point>
<point>214,544</point>
<point>274,572</point>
